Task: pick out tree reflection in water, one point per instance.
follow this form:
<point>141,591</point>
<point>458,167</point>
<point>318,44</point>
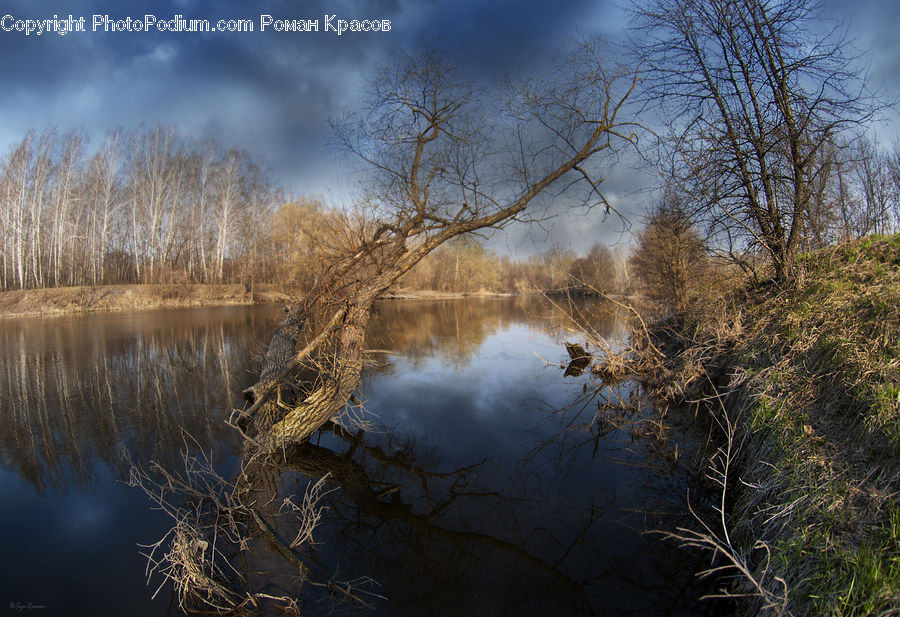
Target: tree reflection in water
<point>436,541</point>
<point>77,390</point>
<point>483,490</point>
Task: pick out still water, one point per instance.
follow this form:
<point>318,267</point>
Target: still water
<point>484,483</point>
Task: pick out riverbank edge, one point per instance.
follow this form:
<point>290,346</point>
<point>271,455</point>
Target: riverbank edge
<point>804,384</point>
<point>115,298</point>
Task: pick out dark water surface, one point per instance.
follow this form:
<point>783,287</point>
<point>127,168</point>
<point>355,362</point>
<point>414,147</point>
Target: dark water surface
<point>483,485</point>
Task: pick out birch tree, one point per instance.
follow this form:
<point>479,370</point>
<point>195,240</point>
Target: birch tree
<point>154,179</point>
<point>15,206</point>
<point>103,195</point>
<point>231,202</point>
<point>62,229</point>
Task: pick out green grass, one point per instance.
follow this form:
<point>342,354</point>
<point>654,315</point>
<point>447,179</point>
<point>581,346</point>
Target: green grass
<point>823,367</point>
<point>861,580</point>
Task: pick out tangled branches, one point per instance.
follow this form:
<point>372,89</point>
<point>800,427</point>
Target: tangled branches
<point>199,501</point>
<point>215,521</point>
<point>734,564</point>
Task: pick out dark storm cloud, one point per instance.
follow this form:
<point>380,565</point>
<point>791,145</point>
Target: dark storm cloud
<point>504,36</point>
<point>269,92</point>
<point>272,93</point>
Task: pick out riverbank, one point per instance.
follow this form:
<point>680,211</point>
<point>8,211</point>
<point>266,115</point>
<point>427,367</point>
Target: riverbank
<point>804,385</point>
<point>104,298</point>
<point>63,300</point>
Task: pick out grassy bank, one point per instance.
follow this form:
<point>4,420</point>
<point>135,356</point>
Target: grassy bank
<point>805,381</point>
<point>129,297</point>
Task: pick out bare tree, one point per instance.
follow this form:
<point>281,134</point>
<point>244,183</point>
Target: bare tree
<point>595,271</point>
<point>28,180</point>
<point>231,202</point>
<point>754,89</point>
<point>40,178</point>
<point>63,227</point>
<point>823,215</point>
<point>439,169</point>
<point>15,182</point>
<point>6,229</point>
<point>103,199</point>
<point>876,199</point>
<point>155,176</point>
<point>200,203</point>
<point>670,257</point>
<point>164,208</point>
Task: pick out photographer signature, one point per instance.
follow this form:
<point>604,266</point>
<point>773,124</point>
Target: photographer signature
<point>25,606</point>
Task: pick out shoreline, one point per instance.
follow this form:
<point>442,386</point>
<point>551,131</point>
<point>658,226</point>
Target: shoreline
<point>135,297</point>
<point>119,298</point>
<point>428,294</point>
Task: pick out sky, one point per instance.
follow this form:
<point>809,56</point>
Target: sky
<point>272,93</point>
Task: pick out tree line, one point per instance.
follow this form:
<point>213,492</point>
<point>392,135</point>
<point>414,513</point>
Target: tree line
<point>149,205</point>
<point>153,206</point>
<point>300,240</point>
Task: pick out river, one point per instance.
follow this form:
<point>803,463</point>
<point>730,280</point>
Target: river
<point>483,485</point>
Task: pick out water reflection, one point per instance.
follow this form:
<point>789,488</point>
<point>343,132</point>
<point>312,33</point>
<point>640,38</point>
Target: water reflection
<point>406,521</point>
<point>77,390</point>
<point>453,331</point>
<point>486,486</point>
<point>528,536</point>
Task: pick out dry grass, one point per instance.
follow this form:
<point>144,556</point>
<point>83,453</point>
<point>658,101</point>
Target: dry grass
<point>62,300</point>
<point>613,368</point>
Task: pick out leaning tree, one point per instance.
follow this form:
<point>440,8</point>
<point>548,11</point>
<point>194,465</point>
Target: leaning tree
<point>443,158</point>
